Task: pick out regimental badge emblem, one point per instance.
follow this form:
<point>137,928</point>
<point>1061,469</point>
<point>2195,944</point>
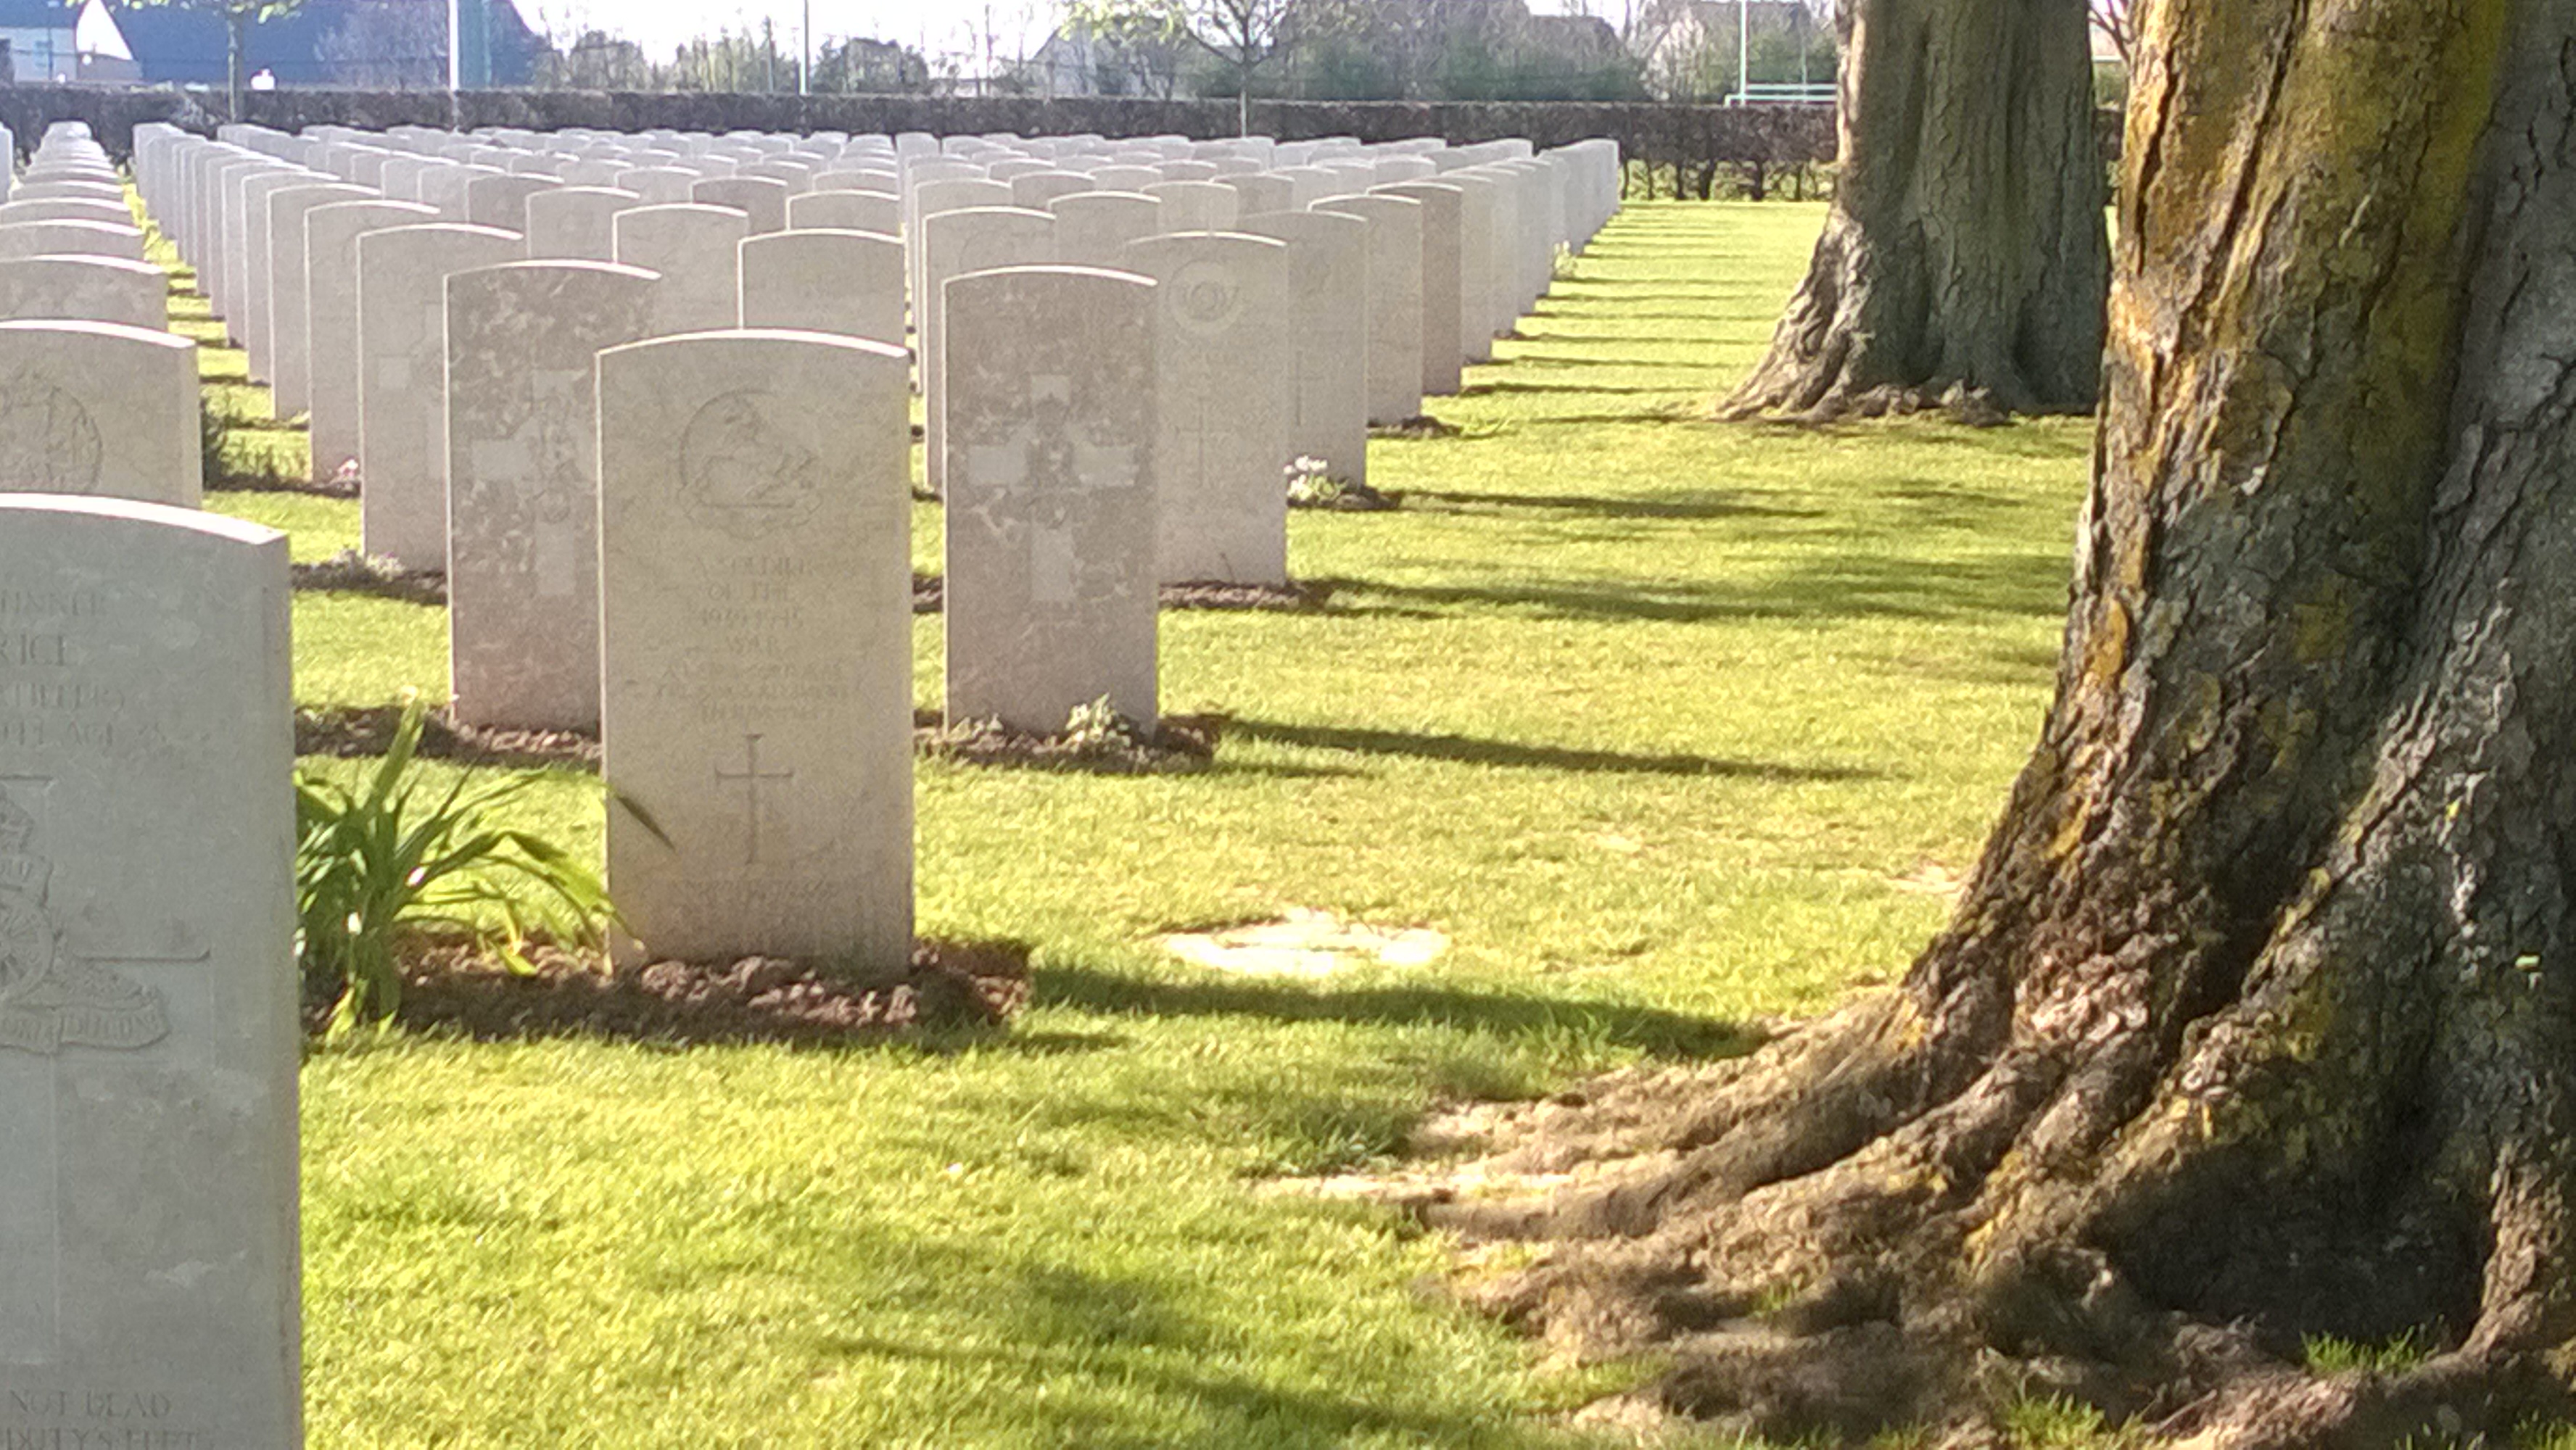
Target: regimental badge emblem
<point>50,999</point>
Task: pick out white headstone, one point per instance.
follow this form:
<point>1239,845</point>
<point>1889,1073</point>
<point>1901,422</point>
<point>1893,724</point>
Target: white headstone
<point>761,199</point>
<point>577,223</point>
<point>847,211</point>
<point>523,496</point>
<point>1093,228</point>
<point>149,1038</point>
<point>979,239</point>
<point>1050,577</point>
<point>756,627</point>
<point>99,410</point>
<point>1444,348</point>
<point>847,283</point>
<point>85,289</point>
<point>1395,302</point>
<point>697,252</point>
<point>1221,401</point>
<point>402,409</point>
<point>1328,324</point>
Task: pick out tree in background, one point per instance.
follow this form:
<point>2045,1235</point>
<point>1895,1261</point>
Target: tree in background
<point>239,16</point>
<point>387,45</point>
<point>1243,35</point>
<point>1964,261</point>
<point>2117,20</point>
<point>597,61</point>
<point>858,66</point>
<point>2238,1099</point>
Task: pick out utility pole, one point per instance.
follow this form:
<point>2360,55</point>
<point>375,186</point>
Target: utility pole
<point>769,54</point>
<point>805,45</point>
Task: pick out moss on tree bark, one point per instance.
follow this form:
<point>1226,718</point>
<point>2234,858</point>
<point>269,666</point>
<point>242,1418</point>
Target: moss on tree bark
<point>2258,1019</point>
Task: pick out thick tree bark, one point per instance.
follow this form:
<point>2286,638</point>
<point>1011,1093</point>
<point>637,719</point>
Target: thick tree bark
<point>2258,1020</point>
<point>1965,259</point>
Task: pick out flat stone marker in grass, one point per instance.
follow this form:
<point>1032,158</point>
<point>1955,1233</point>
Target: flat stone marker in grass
<point>285,339</point>
<point>99,410</point>
<point>954,243</point>
<point>1093,228</point>
<point>1221,400</point>
<point>85,289</point>
<point>1050,573</point>
<point>846,283</point>
<point>523,494</point>
<point>149,1035</point>
<point>697,251</point>
<point>402,401</point>
<point>760,198</point>
<point>756,612</point>
<point>1328,326</point>
<point>1444,348</point>
<point>577,223</point>
<point>1395,302</point>
<point>847,211</point>
<point>332,363</point>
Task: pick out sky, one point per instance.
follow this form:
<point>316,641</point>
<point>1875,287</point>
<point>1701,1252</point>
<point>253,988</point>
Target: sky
<point>937,27</point>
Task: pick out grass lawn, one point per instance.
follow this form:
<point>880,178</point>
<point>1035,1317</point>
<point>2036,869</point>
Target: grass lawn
<point>1666,724</point>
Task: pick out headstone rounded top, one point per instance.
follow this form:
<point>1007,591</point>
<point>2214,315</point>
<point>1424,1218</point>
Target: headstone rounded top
<point>118,330</point>
<point>212,525</point>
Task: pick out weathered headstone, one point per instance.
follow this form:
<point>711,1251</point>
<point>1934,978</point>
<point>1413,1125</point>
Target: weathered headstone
<point>848,283</point>
<point>1221,404</point>
<point>756,627</point>
<point>1262,192</point>
<point>1395,302</point>
<point>502,200</point>
<point>99,410</point>
<point>1051,600</point>
<point>979,239</point>
<point>577,223</point>
<point>1197,206</point>
<point>149,1035</point>
<point>1093,228</point>
<point>1328,325</point>
<point>697,252</point>
<point>1478,222</point>
<point>523,492</point>
<point>759,198</point>
<point>402,408</point>
<point>85,289</point>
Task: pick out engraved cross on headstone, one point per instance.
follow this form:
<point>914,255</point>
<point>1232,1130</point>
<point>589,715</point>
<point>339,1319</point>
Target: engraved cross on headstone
<point>751,777</point>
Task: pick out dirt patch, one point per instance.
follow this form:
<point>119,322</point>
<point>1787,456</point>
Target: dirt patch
<point>1349,498</point>
<point>354,573</point>
<point>361,732</point>
<point>1296,596</point>
<point>1306,943</point>
<point>1179,745</point>
<point>930,596</point>
<point>949,986</point>
<point>1417,429</point>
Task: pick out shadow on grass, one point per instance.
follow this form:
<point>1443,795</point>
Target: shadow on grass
<point>1650,1030</point>
<point>1472,750</point>
<point>1842,587</point>
<point>1680,504</point>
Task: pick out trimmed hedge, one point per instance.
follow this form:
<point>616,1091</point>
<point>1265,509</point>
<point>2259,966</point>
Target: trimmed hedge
<point>1694,137</point>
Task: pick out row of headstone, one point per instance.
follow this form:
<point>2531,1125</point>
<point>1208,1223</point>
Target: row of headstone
<point>97,397</point>
<point>1105,420</point>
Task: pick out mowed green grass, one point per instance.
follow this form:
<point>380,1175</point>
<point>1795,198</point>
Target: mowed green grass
<point>1660,720</point>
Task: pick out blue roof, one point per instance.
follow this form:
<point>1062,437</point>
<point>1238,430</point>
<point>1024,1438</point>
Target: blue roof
<point>38,14</point>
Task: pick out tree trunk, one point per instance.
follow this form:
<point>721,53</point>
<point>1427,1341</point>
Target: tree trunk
<point>236,28</point>
<point>2258,1019</point>
<point>1966,254</point>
